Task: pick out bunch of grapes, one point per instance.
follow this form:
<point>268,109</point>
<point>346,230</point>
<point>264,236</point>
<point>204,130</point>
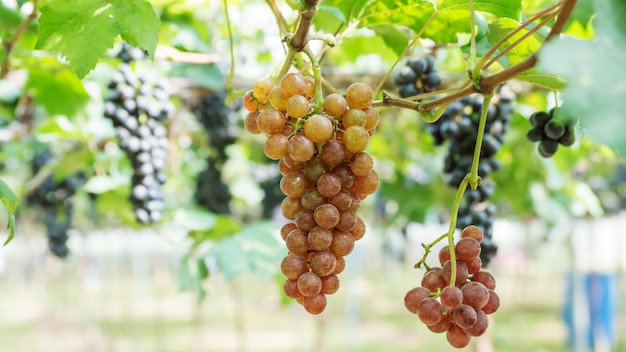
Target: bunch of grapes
<point>459,126</point>
<point>138,107</point>
<point>219,121</point>
<point>56,199</point>
<point>326,174</point>
<point>460,308</point>
<point>418,76</point>
<point>550,132</point>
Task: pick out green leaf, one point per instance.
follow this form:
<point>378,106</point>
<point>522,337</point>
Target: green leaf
<point>103,184</point>
<point>254,250</point>
<point>81,30</point>
<point>596,75</point>
<point>195,219</point>
<point>498,8</point>
<point>543,79</point>
<point>11,18</point>
<point>56,88</point>
<point>140,22</point>
<point>72,162</point>
<point>402,12</point>
<point>502,27</point>
<point>58,128</point>
<point>10,201</point>
<point>394,38</point>
<point>206,76</point>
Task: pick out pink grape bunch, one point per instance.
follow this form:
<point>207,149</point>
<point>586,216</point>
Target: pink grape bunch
<point>459,309</point>
<point>325,175</point>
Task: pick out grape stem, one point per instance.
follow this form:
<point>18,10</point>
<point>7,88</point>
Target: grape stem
<point>318,100</point>
<point>474,179</point>
<point>283,27</point>
<point>231,72</point>
<point>21,29</point>
<point>486,85</point>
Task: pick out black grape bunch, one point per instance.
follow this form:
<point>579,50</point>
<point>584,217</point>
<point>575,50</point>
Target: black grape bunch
<point>138,106</point>
<point>418,76</point>
<point>458,125</point>
<point>550,131</point>
<point>220,122</point>
<point>56,199</point>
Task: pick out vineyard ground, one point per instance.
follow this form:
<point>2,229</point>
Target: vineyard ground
<point>120,293</point>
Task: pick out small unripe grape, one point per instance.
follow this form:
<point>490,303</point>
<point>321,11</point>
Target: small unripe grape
<point>278,98</point>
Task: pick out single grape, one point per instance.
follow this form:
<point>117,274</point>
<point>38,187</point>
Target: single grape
<point>373,118</point>
<point>347,221</point>
<point>275,146</point>
<point>318,128</point>
<point>457,337</point>
<point>291,288</point>
<point>320,238</point>
<point>286,228</point>
<point>359,95</point>
<point>356,139</point>
<point>297,242</point>
<point>271,121</point>
<point>475,294</point>
<point>327,216</point>
<point>309,284</point>
<point>474,266</point>
<point>569,137</point>
<point>316,304</point>
<point>335,105</point>
<point>343,243</point>
<point>539,118</point>
<point>342,200</point>
<point>433,281</point>
<point>311,199</point>
<point>305,220</point>
<point>361,164</point>
<point>290,207</point>
<point>444,255</point>
<point>333,153</point>
<point>293,84</point>
<point>346,175</point>
<point>359,230</point>
<point>442,326</point>
<point>413,298</point>
<point>467,249</point>
<point>283,168</point>
<point>301,148</point>
<point>329,185</point>
<point>278,98</point>
<point>309,91</point>
<point>451,297</point>
<point>554,129</point>
<point>547,147</point>
<point>492,304</point>
<point>474,232</point>
<point>464,316</point>
<point>314,169</point>
<point>341,264</point>
<point>293,184</point>
<point>251,122</point>
<point>293,266</point>
<point>430,311</point>
<point>479,328</point>
<point>366,184</point>
<point>250,102</point>
<point>323,263</point>
<point>297,106</point>
<point>330,284</point>
<point>262,88</point>
<point>354,117</point>
<point>485,278</point>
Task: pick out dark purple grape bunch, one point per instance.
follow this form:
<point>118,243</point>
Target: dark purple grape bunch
<point>418,76</point>
<point>458,126</point>
<point>138,107</point>
<point>56,197</point>
<point>550,131</point>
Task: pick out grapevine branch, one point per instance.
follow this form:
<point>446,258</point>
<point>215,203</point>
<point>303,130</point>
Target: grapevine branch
<point>4,70</point>
<point>486,85</point>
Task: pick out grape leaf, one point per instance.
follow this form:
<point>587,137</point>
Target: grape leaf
<point>82,30</point>
<point>254,250</point>
<point>405,13</point>
<point>140,22</point>
<point>502,27</point>
<point>394,38</point>
<point>206,76</point>
<point>56,88</point>
<point>498,8</point>
<point>11,18</point>
<point>543,79</point>
<point>10,201</point>
<point>595,74</point>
